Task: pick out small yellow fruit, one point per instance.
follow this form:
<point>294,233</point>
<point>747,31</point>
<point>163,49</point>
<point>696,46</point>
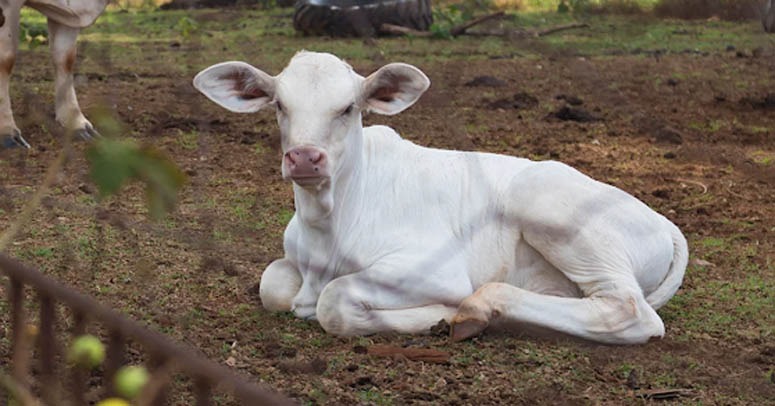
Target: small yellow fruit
<point>130,380</point>
<point>113,402</point>
<point>86,351</point>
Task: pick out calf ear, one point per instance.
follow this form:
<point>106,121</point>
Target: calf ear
<point>393,88</point>
<point>236,86</point>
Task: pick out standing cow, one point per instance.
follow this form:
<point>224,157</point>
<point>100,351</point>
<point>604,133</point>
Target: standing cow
<point>65,19</point>
<point>392,236</point>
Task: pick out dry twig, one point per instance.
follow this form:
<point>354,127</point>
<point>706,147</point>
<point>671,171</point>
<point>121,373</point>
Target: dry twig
<point>17,391</point>
<point>414,354</point>
<point>455,31</point>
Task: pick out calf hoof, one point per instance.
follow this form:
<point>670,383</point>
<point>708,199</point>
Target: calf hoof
<point>13,140</point>
<point>466,328</point>
<point>87,133</point>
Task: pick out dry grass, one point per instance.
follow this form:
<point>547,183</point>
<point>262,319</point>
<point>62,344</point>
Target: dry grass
<point>731,10</point>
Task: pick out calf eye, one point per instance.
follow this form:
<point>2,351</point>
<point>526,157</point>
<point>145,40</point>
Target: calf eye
<point>278,105</point>
<point>348,110</point>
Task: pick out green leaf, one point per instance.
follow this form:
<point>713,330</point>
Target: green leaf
<point>111,163</point>
<point>162,180</point>
<point>115,162</point>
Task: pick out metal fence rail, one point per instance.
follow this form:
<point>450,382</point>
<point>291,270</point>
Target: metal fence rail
<point>167,356</point>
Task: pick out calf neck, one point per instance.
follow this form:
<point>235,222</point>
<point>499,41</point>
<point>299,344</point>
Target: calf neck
<point>392,236</point>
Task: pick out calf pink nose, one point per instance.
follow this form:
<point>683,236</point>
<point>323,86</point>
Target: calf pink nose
<point>306,162</point>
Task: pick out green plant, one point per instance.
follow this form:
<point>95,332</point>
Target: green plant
<point>186,26</point>
<point>33,33</point>
<point>447,17</point>
<point>188,140</point>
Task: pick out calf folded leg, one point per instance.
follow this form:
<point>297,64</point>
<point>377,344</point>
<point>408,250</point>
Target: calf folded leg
<point>367,303</point>
<point>279,284</point>
<point>616,314</point>
<point>63,52</point>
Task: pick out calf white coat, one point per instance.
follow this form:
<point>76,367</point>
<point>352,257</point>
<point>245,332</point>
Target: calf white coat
<point>65,19</point>
<point>392,236</point>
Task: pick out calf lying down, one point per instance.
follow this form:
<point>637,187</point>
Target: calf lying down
<point>392,236</point>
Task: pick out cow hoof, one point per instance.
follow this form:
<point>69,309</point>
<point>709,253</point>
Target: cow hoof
<point>13,140</point>
<point>466,328</point>
<point>87,133</point>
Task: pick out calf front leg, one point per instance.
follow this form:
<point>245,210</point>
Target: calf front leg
<point>279,284</point>
<point>371,302</point>
<point>10,136</point>
<point>617,315</point>
<point>63,52</point>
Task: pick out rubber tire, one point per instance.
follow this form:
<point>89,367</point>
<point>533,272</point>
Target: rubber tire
<point>327,18</point>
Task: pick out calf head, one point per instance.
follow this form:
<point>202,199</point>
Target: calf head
<point>319,100</point>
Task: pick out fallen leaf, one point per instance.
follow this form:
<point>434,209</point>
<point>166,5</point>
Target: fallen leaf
<point>702,262</point>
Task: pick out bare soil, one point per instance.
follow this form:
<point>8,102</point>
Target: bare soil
<point>692,135</point>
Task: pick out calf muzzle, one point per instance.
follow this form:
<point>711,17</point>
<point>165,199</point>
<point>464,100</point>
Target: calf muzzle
<point>306,165</point>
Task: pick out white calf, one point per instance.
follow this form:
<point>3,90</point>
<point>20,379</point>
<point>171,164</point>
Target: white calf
<point>391,236</point>
<point>65,19</point>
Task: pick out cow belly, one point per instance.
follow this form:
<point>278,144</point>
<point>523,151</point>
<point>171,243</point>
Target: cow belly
<point>72,13</point>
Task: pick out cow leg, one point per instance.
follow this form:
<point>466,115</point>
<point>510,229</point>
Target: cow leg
<point>280,283</point>
<point>768,17</point>
<point>10,136</point>
<point>616,314</point>
<point>63,51</point>
<point>370,302</point>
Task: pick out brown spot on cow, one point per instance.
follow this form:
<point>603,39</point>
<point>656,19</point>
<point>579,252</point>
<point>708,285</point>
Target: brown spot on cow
<point>69,61</point>
<point>6,64</point>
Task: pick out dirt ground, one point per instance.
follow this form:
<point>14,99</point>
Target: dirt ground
<point>691,134</point>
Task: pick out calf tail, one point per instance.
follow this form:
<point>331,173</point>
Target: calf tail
<point>675,274</point>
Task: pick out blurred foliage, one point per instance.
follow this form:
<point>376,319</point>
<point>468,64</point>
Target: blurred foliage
<point>186,26</point>
<point>33,33</point>
<point>115,161</point>
<point>447,16</point>
<point>731,10</point>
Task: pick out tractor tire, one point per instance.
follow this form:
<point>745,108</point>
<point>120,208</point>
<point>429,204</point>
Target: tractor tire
<point>359,18</point>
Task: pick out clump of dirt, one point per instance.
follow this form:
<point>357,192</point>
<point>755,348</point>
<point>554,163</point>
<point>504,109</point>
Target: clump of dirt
<point>316,366</point>
<point>570,99</point>
<point>214,264</point>
<point>659,130</point>
<point>567,113</point>
<point>520,100</point>
<point>485,81</point>
<point>766,102</point>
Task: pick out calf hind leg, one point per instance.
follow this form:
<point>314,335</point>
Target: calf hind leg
<point>618,315</point>
<point>63,52</point>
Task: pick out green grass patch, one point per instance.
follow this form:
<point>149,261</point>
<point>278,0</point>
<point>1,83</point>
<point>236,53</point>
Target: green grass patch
<point>273,40</point>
